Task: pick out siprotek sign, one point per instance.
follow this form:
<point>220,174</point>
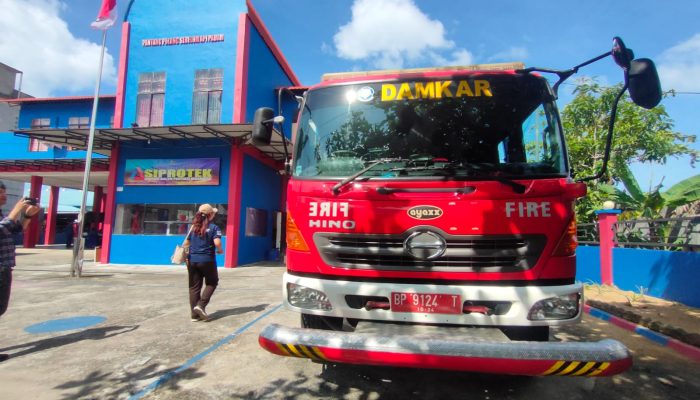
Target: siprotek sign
<point>424,212</point>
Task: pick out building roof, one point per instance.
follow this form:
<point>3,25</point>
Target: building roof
<point>67,173</point>
<point>52,164</point>
<point>7,67</point>
<point>105,138</point>
<point>54,99</point>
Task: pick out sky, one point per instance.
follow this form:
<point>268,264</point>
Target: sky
<point>52,43</point>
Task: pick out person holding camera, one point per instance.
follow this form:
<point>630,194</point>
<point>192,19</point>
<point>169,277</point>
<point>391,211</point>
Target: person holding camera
<point>16,221</point>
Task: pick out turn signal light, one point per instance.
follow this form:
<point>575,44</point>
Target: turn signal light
<point>568,242</point>
<point>295,241</point>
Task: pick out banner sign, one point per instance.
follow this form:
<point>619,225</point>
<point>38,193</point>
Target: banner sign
<point>185,171</point>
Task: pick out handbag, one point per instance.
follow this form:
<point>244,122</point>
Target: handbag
<point>180,253</point>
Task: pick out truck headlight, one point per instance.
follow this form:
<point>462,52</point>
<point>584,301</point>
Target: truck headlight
<point>559,307</point>
<point>307,298</point>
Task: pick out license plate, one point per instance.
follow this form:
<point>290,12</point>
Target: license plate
<point>432,303</point>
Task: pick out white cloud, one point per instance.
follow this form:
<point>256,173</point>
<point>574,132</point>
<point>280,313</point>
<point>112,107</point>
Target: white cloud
<point>457,57</point>
<point>326,48</point>
<point>511,54</point>
<point>394,33</point>
<point>36,41</point>
<point>679,66</point>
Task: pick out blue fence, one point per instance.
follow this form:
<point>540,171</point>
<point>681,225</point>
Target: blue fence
<point>669,275</point>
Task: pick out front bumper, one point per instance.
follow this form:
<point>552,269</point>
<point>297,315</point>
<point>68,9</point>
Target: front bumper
<point>449,352</point>
<point>520,298</point>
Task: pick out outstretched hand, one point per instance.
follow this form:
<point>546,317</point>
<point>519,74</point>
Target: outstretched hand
<point>22,206</point>
<point>31,210</point>
<point>26,208</point>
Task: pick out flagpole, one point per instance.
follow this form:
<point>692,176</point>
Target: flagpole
<point>77,265</point>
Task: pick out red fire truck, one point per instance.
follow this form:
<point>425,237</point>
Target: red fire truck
<point>430,221</point>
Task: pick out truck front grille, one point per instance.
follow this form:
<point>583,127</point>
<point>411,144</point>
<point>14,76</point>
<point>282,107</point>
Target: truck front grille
<point>490,253</point>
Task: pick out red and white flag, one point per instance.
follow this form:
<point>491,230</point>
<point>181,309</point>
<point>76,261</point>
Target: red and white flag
<point>107,15</point>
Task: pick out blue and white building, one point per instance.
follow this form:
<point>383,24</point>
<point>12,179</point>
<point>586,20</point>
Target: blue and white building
<point>175,135</point>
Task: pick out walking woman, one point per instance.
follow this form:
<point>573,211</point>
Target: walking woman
<point>203,239</point>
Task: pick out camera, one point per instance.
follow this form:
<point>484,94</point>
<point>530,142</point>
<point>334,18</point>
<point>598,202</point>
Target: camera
<point>30,200</point>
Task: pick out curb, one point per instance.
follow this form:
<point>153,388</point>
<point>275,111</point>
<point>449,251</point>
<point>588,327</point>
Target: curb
<point>659,326</point>
<point>684,349</point>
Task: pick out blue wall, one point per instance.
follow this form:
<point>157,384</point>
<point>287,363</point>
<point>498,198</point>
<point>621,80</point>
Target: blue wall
<point>262,190</point>
<point>148,249</point>
<point>156,249</point>
<point>669,275</point>
<point>17,148</point>
<point>588,264</point>
<point>264,76</point>
<point>154,19</point>
<point>61,111</point>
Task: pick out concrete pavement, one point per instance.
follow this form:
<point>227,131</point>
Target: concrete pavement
<point>123,332</point>
<point>145,331</point>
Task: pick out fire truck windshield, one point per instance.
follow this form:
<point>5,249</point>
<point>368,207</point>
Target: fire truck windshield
<point>470,126</point>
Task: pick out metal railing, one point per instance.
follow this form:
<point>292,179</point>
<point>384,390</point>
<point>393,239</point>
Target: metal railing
<point>675,234</point>
<point>588,234</point>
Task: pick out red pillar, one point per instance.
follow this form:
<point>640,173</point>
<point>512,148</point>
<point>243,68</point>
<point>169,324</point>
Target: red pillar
<point>110,204</point>
<point>234,206</point>
<point>31,235</point>
<point>607,223</point>
<point>97,205</point>
<point>103,206</point>
<point>51,214</point>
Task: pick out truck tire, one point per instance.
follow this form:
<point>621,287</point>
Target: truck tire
<point>318,322</point>
<point>527,333</point>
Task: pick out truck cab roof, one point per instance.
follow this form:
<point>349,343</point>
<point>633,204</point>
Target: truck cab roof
<point>422,72</point>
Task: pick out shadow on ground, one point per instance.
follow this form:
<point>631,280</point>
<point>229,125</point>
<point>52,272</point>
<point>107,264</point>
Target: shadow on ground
<point>116,384</point>
<point>218,314</point>
<point>58,341</point>
<point>362,382</point>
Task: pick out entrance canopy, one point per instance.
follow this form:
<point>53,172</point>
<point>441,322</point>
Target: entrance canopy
<point>106,137</point>
<point>69,172</point>
<point>65,173</point>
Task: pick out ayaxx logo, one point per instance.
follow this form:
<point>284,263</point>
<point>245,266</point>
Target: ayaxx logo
<point>425,212</point>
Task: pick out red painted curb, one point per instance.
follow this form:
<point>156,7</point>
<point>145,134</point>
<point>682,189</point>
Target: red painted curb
<point>684,349</point>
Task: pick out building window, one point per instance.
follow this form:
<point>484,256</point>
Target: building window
<point>36,144</point>
<point>255,222</point>
<point>162,219</point>
<point>41,123</point>
<point>150,99</point>
<point>78,122</point>
<point>206,99</point>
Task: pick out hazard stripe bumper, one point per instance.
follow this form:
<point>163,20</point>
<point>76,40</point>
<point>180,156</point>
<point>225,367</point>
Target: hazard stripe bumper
<point>603,358</point>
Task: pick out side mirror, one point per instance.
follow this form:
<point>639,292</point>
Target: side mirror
<point>621,54</point>
<point>262,125</point>
<point>644,84</point>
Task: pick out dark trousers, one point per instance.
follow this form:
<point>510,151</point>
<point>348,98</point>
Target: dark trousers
<point>198,274</point>
<point>5,285</point>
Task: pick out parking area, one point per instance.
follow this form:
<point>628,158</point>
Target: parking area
<point>125,332</point>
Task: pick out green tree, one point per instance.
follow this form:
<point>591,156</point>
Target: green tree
<point>654,203</point>
<point>640,135</point>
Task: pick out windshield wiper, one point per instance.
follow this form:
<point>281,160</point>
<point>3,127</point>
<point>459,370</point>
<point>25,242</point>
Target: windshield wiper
<point>453,167</point>
<point>517,187</point>
<point>336,188</point>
